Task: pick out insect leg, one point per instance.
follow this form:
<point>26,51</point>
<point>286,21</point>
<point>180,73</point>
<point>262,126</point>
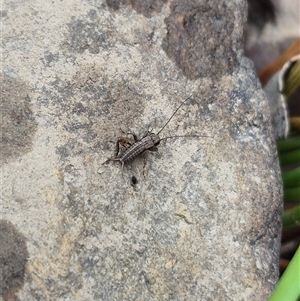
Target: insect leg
<point>111,159</point>
<point>135,137</point>
<point>146,134</point>
<point>153,149</point>
<point>121,141</point>
<point>130,133</point>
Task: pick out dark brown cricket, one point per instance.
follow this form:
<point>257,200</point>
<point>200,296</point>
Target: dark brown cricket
<point>148,142</point>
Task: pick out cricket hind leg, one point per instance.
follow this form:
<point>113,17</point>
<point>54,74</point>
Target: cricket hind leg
<point>146,134</point>
<point>111,159</point>
<point>123,142</point>
<point>130,133</point>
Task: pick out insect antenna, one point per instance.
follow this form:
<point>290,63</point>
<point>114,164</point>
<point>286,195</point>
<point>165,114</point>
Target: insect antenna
<point>181,136</point>
<point>173,115</point>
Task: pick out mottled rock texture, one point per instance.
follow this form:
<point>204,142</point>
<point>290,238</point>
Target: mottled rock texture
<point>197,220</point>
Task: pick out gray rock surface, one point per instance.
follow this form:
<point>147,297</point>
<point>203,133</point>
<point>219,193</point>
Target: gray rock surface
<point>202,220</point>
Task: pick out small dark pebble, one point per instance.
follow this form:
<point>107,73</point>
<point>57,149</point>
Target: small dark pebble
<point>134,180</point>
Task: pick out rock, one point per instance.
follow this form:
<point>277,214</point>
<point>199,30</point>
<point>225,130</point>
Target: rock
<point>202,220</point>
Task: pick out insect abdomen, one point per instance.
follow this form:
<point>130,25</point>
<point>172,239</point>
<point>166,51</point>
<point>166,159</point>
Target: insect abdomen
<point>136,149</point>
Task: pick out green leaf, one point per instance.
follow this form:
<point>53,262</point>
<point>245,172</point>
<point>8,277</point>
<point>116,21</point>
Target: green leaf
<point>288,287</point>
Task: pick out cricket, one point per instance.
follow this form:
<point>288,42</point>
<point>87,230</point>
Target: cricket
<point>148,142</point>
